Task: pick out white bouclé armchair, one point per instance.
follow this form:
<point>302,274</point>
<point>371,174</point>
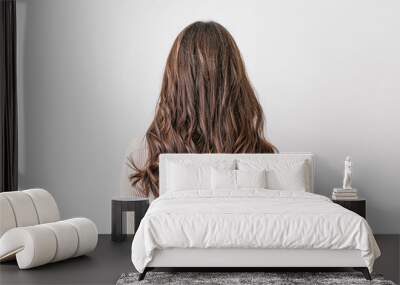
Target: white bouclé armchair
<point>31,231</point>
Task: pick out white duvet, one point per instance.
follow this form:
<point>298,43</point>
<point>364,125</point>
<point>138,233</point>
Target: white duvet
<point>251,218</point>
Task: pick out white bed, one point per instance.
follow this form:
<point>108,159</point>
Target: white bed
<point>249,227</point>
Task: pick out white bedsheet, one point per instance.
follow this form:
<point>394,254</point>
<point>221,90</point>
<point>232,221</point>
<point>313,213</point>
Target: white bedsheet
<point>251,218</point>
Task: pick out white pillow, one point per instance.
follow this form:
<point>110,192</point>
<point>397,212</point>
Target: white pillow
<point>288,179</point>
<point>251,179</point>
<point>237,179</point>
<point>223,179</point>
<point>281,174</point>
<point>188,175</point>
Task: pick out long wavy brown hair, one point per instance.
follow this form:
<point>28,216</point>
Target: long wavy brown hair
<point>206,104</point>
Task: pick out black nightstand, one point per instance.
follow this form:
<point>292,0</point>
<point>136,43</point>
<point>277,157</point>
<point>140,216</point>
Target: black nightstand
<point>125,204</point>
<point>357,206</point>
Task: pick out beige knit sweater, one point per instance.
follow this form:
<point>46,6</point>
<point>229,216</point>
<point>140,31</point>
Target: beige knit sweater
<point>137,152</point>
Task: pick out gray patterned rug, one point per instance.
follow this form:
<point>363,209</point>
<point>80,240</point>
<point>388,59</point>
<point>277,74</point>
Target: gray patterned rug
<point>269,278</point>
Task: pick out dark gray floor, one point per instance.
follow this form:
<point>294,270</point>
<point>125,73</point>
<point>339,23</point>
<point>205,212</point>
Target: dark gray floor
<point>110,260</point>
<point>103,266</point>
<point>389,262</point>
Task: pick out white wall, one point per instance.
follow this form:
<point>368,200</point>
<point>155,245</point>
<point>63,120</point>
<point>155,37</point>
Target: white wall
<point>326,72</point>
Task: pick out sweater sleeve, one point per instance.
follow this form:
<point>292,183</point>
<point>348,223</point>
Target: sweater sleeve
<point>136,152</point>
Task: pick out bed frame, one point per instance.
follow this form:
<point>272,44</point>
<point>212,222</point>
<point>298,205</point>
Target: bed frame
<point>245,259</point>
<point>234,259</point>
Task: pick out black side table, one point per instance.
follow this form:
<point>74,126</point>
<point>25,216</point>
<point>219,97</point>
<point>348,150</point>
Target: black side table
<point>358,206</point>
<point>125,204</point>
